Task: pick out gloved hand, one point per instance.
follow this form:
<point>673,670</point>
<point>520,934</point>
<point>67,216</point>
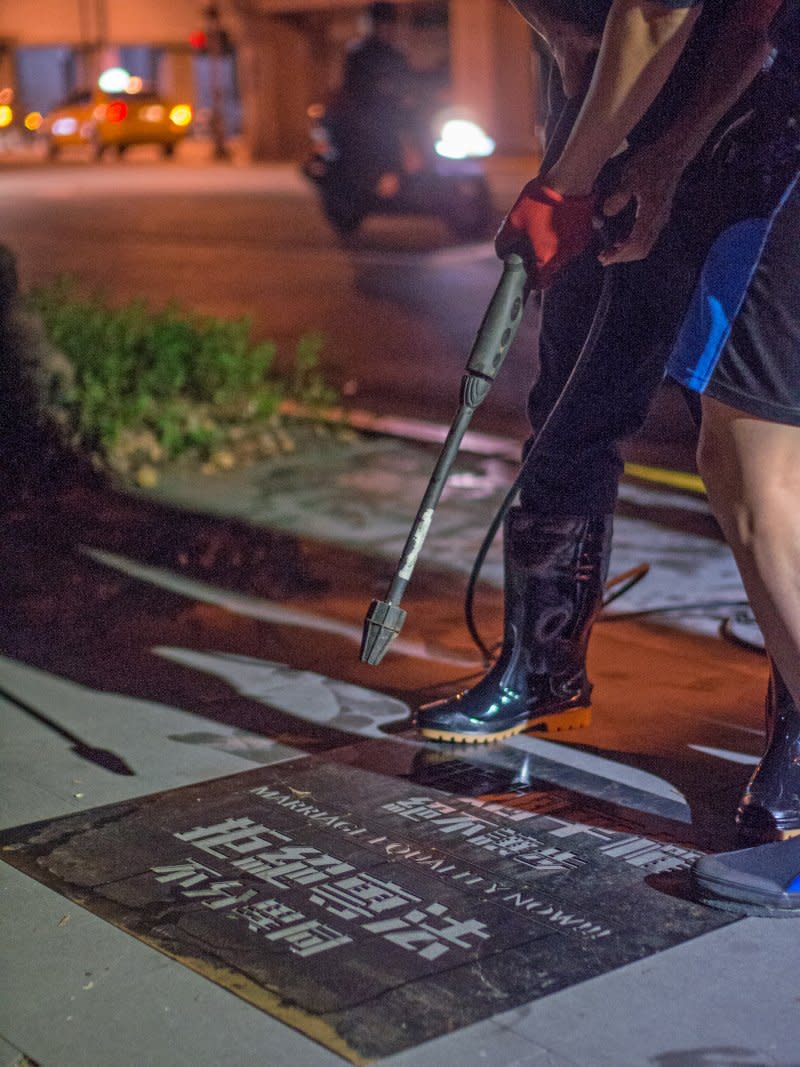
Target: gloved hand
<point>548,229</point>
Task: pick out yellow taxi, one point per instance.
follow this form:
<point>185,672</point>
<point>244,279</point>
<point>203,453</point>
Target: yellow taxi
<point>117,120</point>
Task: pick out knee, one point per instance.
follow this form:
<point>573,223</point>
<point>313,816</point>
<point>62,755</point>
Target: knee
<point>752,511</point>
<point>732,505</point>
<point>751,470</point>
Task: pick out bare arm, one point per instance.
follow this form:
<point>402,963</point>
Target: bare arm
<point>551,222</point>
<point>641,43</point>
<point>652,175</point>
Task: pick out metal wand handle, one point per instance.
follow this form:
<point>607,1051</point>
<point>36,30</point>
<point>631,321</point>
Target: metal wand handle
<point>385,618</point>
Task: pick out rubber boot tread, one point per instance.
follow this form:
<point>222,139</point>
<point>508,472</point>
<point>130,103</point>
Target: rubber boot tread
<point>555,722</point>
<point>751,837</point>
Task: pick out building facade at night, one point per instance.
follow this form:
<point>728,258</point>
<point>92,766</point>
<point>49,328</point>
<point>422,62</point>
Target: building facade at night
<point>283,56</point>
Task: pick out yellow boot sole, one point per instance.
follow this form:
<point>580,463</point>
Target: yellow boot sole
<point>553,722</point>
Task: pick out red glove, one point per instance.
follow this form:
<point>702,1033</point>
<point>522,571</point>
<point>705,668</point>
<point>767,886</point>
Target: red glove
<point>548,229</point>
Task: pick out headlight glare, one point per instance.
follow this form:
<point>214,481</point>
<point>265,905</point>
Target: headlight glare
<point>181,115</point>
<point>462,139</point>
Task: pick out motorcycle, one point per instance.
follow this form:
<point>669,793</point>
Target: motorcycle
<point>366,163</point>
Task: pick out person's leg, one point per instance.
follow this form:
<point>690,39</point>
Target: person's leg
<point>751,467</point>
<point>555,550</point>
<point>749,453</point>
<point>752,472</point>
<point>558,541</point>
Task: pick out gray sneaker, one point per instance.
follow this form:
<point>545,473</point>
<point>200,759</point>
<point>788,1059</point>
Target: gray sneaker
<point>764,880</point>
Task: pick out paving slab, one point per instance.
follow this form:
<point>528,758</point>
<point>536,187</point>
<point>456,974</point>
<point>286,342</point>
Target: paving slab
<point>44,776</point>
<point>12,1057</point>
<point>83,993</point>
<point>685,1007</point>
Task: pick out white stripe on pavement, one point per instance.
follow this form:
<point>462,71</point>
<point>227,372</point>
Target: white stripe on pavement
<point>265,610</point>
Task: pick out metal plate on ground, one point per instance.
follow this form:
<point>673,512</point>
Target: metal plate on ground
<point>349,897</point>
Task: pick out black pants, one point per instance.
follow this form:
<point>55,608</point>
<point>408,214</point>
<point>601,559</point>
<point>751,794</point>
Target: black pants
<point>578,465</point>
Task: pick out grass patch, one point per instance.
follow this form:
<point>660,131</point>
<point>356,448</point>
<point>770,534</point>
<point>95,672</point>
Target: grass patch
<point>152,385</point>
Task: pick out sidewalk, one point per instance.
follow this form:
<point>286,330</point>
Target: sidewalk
<point>210,628</point>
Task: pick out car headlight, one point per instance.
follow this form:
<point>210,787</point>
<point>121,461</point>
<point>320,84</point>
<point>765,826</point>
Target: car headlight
<point>462,139</point>
<point>65,126</point>
<point>180,115</point>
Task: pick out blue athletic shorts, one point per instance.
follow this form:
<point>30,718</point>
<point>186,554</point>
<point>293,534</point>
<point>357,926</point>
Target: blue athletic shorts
<point>740,340</point>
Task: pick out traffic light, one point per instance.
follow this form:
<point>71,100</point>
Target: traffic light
<point>214,41</point>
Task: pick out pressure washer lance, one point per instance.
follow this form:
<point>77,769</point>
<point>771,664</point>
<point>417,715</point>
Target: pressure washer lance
<point>385,618</point>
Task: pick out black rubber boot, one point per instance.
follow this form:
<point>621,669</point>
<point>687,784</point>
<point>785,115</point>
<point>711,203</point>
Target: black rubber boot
<point>754,881</point>
<point>555,570</point>
<point>770,807</point>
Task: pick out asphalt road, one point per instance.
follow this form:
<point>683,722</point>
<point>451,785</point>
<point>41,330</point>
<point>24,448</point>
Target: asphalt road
<point>398,306</point>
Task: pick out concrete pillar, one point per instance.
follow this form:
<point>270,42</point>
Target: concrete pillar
<point>8,67</point>
<point>492,72</point>
<point>85,68</point>
<point>175,76</point>
<point>277,84</point>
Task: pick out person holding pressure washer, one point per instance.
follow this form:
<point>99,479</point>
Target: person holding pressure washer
<point>669,195</point>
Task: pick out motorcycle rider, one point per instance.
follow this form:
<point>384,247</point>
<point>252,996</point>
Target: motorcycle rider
<point>376,80</point>
<point>672,106</point>
<point>374,65</point>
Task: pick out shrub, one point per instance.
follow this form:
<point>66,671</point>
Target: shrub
<point>174,378</point>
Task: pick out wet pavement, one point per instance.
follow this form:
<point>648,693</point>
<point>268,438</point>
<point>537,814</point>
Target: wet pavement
<point>209,630</point>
